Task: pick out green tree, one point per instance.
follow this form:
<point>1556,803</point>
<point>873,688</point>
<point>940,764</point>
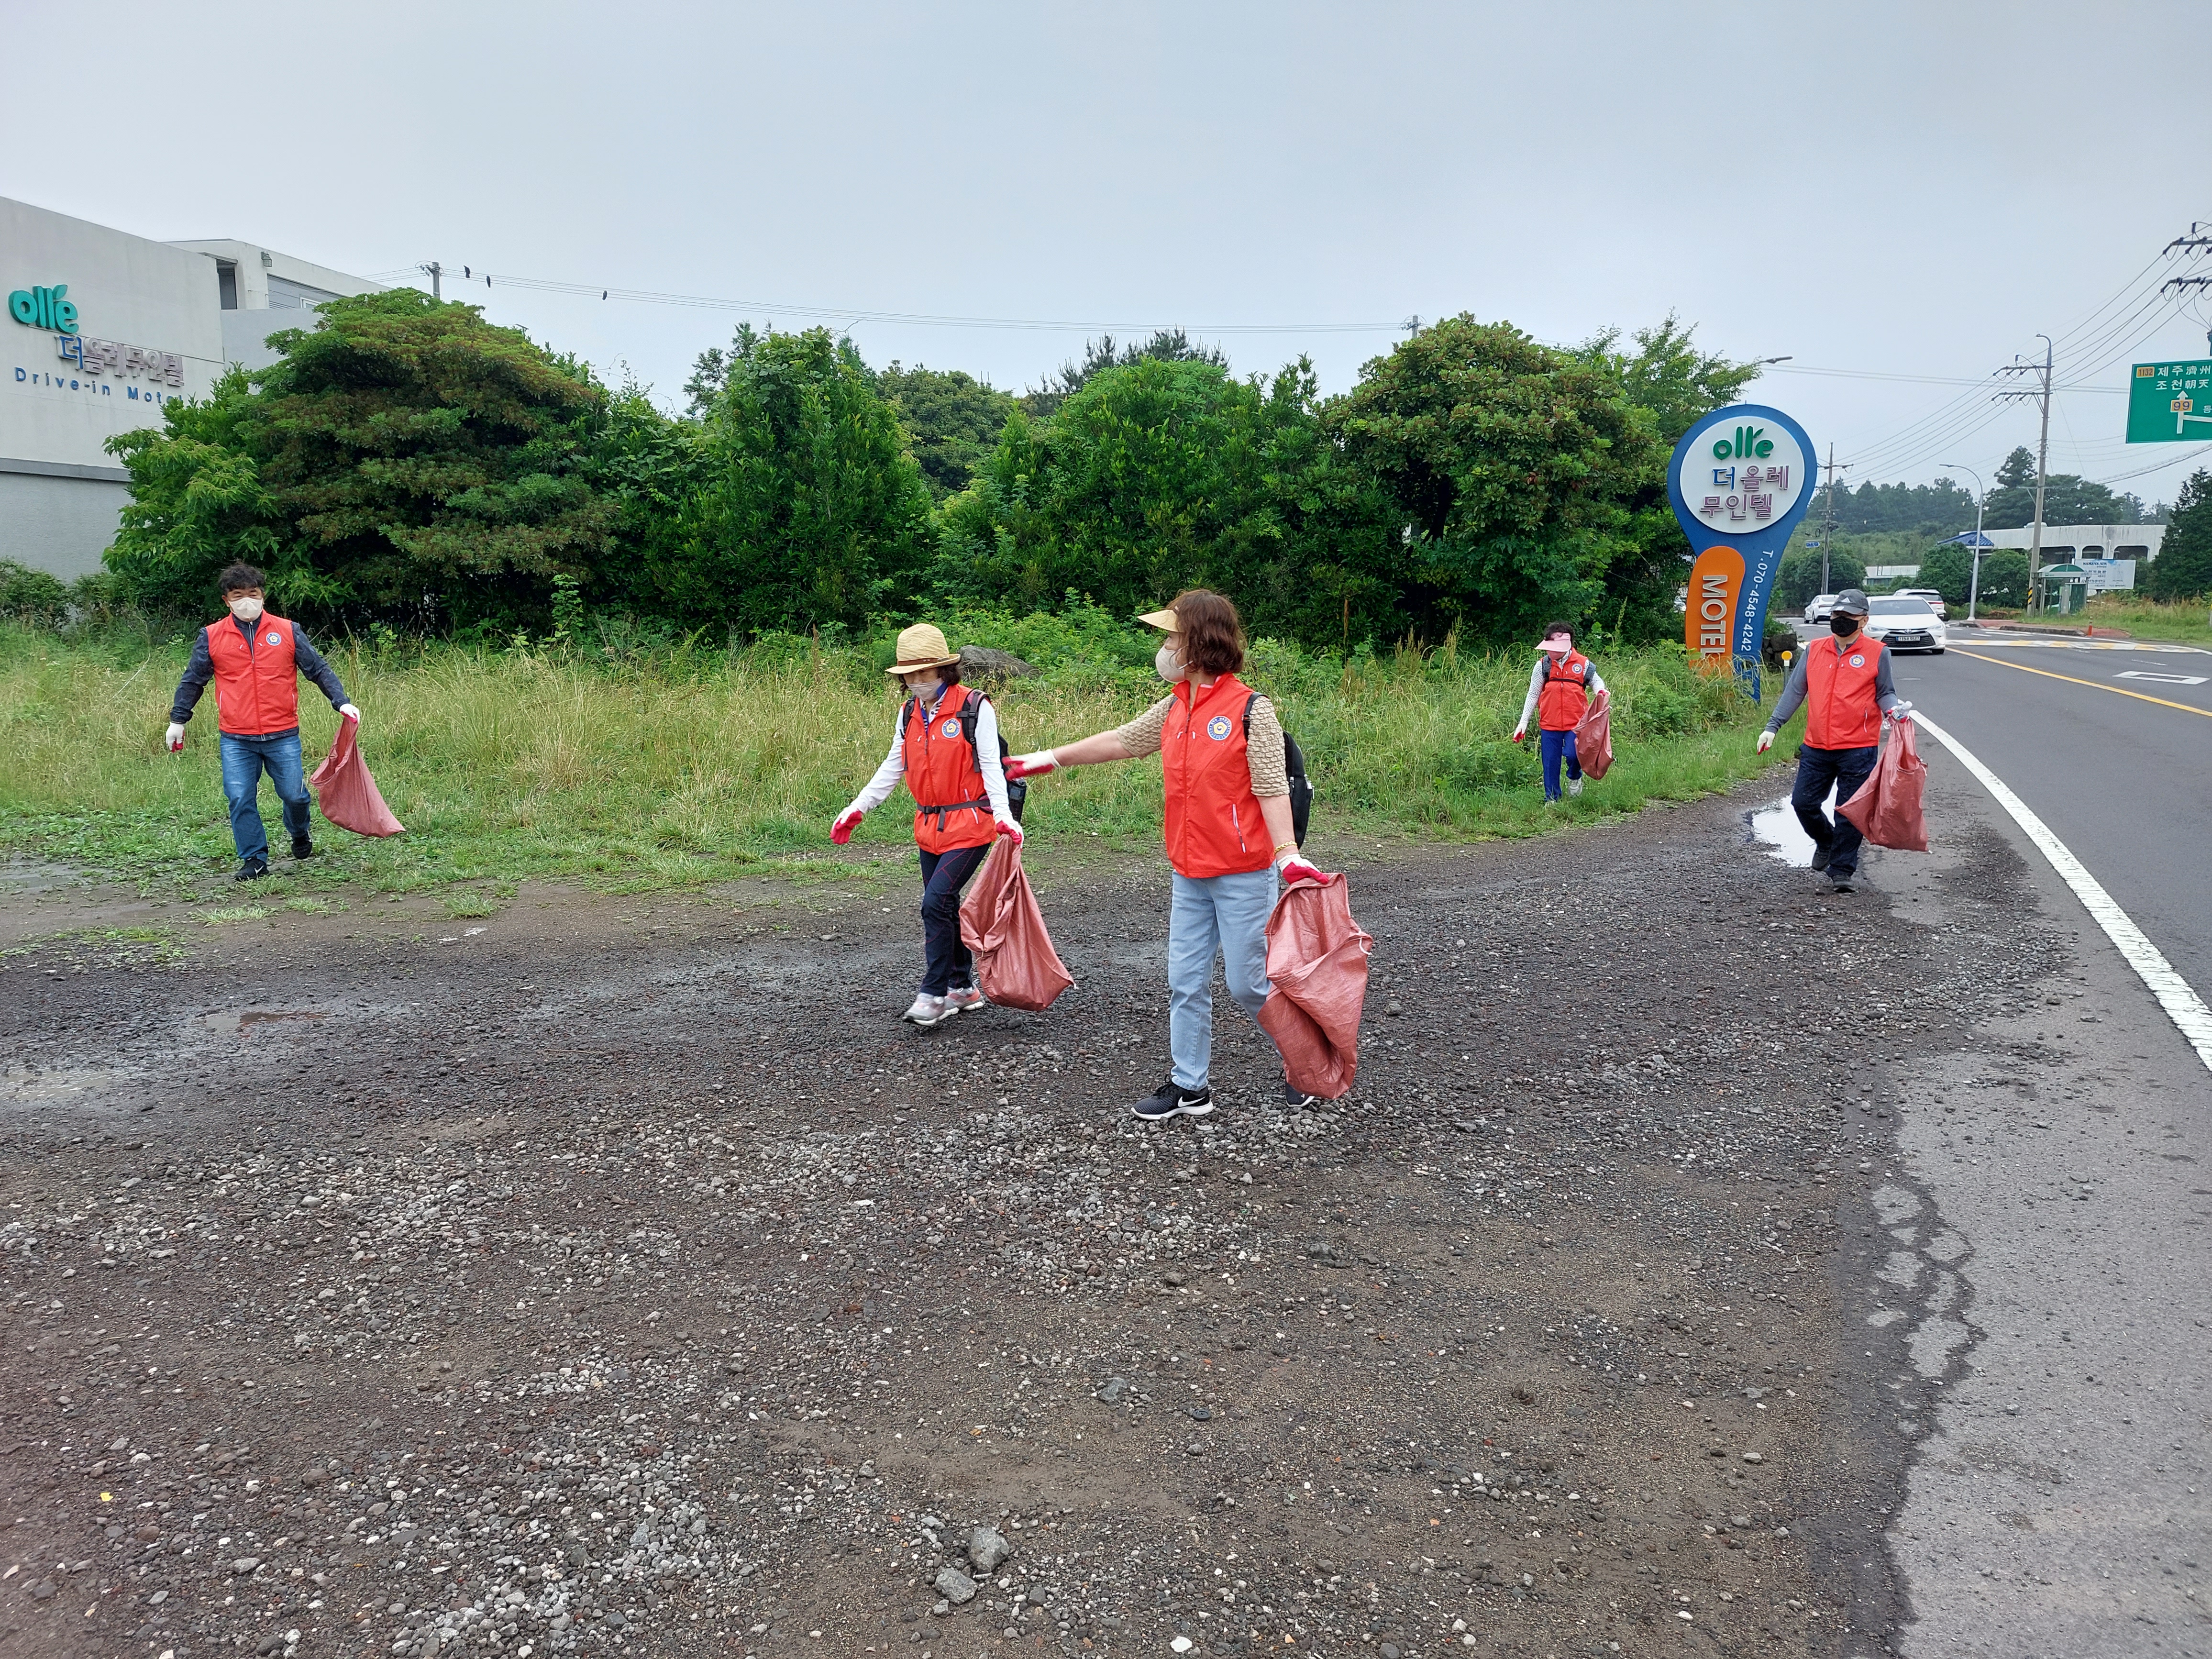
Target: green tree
<point>1799,579</point>
<point>404,457</point>
<point>797,504</point>
<point>2067,498</point>
<point>1513,470</point>
<point>2183,569</point>
<point>1167,345</point>
<point>1675,384</point>
<point>952,419</point>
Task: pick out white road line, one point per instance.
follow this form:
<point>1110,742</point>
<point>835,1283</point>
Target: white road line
<point>2182,1004</point>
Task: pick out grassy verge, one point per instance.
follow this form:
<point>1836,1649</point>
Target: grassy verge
<point>682,768</point>
<point>2150,619</point>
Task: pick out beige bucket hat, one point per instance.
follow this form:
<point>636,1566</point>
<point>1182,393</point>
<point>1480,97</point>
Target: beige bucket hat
<point>921,647</point>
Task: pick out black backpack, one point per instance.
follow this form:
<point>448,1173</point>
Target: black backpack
<point>1294,765</point>
<point>1017,791</point>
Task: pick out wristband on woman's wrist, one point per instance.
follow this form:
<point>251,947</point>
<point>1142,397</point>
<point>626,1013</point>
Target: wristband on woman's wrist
<point>1285,850</point>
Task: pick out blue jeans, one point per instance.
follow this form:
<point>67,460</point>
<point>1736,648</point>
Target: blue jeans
<point>1818,771</point>
<point>1227,913</point>
<point>1558,746</point>
<point>244,761</point>
<point>946,961</point>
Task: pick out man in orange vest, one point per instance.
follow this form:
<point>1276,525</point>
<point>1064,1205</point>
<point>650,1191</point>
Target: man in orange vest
<point>1844,683</point>
<point>1560,687</point>
<point>255,660</point>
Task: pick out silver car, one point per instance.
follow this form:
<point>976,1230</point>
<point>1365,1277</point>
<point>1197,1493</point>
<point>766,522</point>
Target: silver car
<point>1933,597</point>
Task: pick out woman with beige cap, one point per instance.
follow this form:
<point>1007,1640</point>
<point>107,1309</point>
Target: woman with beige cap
<point>1229,830</point>
<point>945,747</point>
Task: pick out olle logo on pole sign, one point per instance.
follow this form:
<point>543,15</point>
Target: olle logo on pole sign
<point>1739,480</point>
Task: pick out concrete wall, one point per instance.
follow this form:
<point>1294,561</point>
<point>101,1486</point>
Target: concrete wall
<point>2088,541</point>
<point>59,525</point>
<point>256,264</point>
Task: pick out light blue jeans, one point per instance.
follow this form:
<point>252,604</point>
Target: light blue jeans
<point>244,761</point>
<point>1226,915</point>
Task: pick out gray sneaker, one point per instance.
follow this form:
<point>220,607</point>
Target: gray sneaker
<point>928,1010</point>
<point>1574,785</point>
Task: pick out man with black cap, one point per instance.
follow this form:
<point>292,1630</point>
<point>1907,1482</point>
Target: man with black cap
<point>1844,683</point>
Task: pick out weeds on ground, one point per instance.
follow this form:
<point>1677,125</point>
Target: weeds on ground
<point>682,766</point>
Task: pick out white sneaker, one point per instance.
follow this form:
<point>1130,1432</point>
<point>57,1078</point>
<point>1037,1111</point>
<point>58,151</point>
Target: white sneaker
<point>961,997</point>
<point>928,1010</point>
<point>1574,785</point>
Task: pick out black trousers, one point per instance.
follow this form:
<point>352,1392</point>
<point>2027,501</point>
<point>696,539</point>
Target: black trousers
<point>1818,770</point>
<point>946,961</point>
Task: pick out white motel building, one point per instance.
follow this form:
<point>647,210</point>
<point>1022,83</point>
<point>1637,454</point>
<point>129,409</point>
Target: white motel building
<point>103,328</point>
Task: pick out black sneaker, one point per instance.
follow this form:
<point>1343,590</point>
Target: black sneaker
<point>1820,857</point>
<point>252,870</point>
<point>302,848</point>
<point>1843,884</point>
<point>1170,1100</point>
<point>1296,1098</point>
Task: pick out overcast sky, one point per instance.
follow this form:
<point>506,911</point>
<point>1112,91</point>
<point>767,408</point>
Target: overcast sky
<point>1885,190</point>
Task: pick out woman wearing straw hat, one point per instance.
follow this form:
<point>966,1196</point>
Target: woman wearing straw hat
<point>1229,830</point>
<point>945,746</point>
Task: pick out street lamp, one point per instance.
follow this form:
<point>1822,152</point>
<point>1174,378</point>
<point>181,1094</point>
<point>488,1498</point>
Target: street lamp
<point>1981,499</point>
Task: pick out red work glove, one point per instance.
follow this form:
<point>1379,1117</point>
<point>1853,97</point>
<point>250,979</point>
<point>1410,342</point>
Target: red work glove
<point>1009,830</point>
<point>1295,868</point>
<point>841,831</point>
<point>1031,766</point>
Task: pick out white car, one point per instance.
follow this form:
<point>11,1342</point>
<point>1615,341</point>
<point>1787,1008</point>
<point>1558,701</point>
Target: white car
<point>1904,622</point>
<point>1933,597</point>
<point>1819,610</point>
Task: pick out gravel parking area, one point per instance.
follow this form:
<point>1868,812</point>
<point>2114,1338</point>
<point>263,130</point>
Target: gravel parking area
<point>618,1275</point>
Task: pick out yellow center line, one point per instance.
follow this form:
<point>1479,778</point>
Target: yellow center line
<point>2163,702</point>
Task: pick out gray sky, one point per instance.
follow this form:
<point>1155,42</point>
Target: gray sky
<point>1884,189</point>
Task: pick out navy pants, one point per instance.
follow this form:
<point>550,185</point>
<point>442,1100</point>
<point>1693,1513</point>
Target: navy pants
<point>1818,771</point>
<point>244,761</point>
<point>1558,746</point>
<point>946,961</point>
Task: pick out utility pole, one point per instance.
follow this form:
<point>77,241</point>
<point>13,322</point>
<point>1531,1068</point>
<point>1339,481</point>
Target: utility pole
<point>2042,463</point>
<point>435,271</point>
<point>1828,516</point>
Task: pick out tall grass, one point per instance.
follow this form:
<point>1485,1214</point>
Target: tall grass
<point>678,766</point>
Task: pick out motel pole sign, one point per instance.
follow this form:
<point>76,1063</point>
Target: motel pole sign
<point>1739,480</point>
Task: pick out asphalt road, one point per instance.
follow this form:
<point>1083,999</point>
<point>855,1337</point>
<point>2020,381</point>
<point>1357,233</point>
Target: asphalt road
<point>2120,779</point>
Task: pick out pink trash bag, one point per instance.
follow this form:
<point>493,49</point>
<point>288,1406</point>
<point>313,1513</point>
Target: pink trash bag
<point>345,791</point>
<point>1888,806</point>
<point>1594,736</point>
<point>1318,969</point>
<point>1015,966</point>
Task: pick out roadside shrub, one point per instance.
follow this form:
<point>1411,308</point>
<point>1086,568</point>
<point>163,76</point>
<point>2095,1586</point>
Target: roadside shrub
<point>30,597</point>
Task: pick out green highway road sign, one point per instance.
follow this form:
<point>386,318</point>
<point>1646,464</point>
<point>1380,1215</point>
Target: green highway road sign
<point>2170,402</point>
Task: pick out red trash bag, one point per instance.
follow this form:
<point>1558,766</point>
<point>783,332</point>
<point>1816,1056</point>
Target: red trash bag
<point>345,791</point>
<point>1887,806</point>
<point>1594,736</point>
<point>1015,966</point>
<point>1317,971</point>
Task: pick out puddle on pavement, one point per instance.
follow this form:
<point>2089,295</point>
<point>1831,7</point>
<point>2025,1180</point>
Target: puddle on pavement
<point>1775,826</point>
<point>251,1018</point>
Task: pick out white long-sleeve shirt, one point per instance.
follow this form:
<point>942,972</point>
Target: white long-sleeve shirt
<point>1536,685</point>
<point>893,771</point>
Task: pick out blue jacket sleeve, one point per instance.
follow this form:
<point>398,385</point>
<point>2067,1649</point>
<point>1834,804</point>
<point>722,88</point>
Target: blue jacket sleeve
<point>198,672</point>
<point>312,664</point>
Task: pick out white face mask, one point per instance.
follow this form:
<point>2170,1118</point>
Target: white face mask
<point>1168,665</point>
<point>246,610</point>
<point>922,685</point>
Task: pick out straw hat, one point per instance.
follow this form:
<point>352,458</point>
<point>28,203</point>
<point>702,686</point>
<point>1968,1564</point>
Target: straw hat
<point>921,647</point>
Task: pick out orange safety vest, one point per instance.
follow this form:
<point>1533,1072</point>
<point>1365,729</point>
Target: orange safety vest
<point>1840,709</point>
<point>1213,822</point>
<point>950,809</point>
<point>1564,697</point>
<point>257,689</point>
